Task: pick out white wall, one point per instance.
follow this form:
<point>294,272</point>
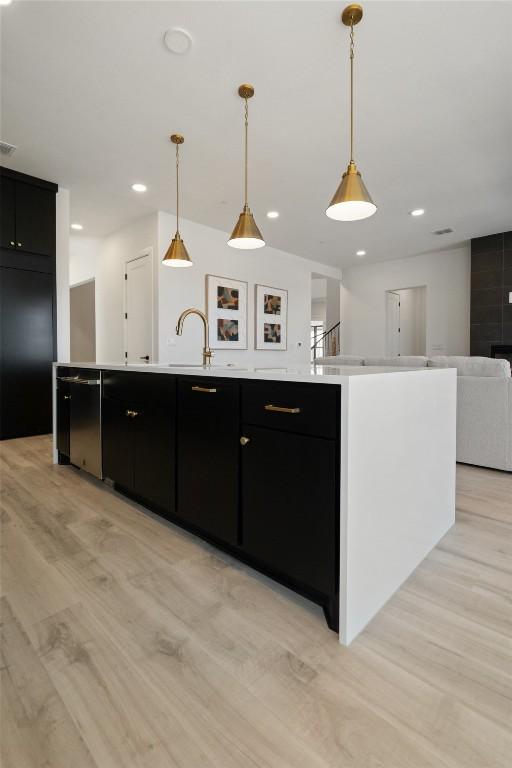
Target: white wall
<point>182,288</point>
<point>115,250</point>
<point>62,273</point>
<point>84,254</point>
<point>446,275</point>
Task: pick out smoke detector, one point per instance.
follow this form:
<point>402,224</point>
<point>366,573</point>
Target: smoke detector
<point>7,149</point>
<point>178,40</point>
<point>445,231</point>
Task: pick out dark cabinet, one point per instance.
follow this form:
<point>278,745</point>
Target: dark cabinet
<point>27,215</point>
<point>27,352</point>
<point>28,310</point>
<point>7,213</point>
<point>289,505</point>
<point>35,219</point>
<point>138,418</point>
<point>208,456</point>
<point>63,399</point>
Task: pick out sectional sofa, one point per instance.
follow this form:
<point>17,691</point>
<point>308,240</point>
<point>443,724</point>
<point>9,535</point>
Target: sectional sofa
<point>484,403</point>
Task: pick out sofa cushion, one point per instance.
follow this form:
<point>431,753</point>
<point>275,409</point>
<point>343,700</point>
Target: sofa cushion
<point>472,366</point>
<point>339,360</point>
<point>404,361</point>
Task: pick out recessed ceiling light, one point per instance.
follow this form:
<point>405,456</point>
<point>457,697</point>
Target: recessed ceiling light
<point>178,40</point>
<point>360,253</point>
<point>76,226</point>
<point>273,215</point>
<point>417,212</point>
<point>139,187</point>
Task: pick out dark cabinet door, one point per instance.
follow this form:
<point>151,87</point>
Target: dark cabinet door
<point>154,456</point>
<point>117,442</point>
<point>35,219</point>
<point>288,502</point>
<point>208,456</point>
<point>63,405</point>
<point>7,213</point>
<point>26,352</point>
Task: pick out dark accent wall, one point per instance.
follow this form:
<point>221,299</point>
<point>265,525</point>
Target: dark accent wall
<point>491,282</point>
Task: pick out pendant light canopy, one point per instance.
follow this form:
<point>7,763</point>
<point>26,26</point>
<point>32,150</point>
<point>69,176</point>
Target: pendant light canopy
<point>246,234</point>
<point>351,200</point>
<point>177,255</point>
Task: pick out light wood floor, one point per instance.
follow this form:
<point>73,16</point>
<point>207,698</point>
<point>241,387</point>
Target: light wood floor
<point>129,644</point>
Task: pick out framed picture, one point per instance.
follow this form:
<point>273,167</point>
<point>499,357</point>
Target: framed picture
<point>271,317</point>
<point>226,307</point>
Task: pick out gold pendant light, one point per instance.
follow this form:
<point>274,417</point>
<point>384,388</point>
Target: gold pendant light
<point>177,255</point>
<point>351,200</point>
<point>246,233</point>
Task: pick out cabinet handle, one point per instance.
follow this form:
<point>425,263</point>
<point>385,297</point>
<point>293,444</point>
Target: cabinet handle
<point>19,245</point>
<point>13,243</point>
<point>245,440</point>
<point>133,414</point>
<point>204,389</point>
<point>67,397</point>
<point>279,409</point>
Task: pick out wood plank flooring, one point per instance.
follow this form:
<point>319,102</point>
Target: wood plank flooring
<point>127,643</point>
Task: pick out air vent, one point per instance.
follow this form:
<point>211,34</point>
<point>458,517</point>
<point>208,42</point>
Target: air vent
<point>7,149</point>
<point>445,231</point>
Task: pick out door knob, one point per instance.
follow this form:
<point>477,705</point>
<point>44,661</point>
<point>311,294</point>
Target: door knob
<point>144,357</point>
<point>245,440</point>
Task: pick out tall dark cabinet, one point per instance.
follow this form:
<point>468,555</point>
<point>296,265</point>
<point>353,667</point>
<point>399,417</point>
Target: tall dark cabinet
<point>27,304</point>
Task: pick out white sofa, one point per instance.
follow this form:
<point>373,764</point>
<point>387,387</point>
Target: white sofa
<point>484,403</point>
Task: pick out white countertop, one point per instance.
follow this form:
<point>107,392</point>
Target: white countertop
<point>316,374</point>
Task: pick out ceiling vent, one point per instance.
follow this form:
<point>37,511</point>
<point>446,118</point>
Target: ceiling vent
<point>7,149</point>
<point>445,231</point>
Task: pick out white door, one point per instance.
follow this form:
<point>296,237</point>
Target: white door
<point>139,309</point>
<point>392,324</point>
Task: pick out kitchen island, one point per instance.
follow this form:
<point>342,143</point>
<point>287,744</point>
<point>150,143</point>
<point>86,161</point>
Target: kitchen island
<point>335,481</point>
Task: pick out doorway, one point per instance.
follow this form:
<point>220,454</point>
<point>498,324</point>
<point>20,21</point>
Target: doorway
<point>406,321</point>
<point>82,316</point>
<point>139,308</point>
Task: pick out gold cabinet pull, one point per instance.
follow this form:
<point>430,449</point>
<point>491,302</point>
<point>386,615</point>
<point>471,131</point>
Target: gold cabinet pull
<point>245,440</point>
<point>204,389</point>
<point>67,397</point>
<point>279,409</point>
<point>133,414</point>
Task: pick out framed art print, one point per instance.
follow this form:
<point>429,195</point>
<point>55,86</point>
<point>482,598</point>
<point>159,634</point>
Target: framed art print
<point>271,317</point>
<point>226,303</point>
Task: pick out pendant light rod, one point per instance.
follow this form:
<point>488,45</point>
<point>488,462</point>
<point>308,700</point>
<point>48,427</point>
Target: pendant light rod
<point>177,139</point>
<point>246,92</point>
<point>352,91</point>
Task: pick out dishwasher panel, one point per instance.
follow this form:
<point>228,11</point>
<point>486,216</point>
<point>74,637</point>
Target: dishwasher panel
<point>85,422</point>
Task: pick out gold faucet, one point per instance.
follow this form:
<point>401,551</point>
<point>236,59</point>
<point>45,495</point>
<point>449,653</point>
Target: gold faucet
<point>207,353</point>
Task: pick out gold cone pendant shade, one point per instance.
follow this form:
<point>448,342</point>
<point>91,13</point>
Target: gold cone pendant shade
<point>351,200</point>
<point>177,254</point>
<point>246,234</point>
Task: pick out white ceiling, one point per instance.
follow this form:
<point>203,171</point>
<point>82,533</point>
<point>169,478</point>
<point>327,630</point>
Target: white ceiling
<point>90,95</point>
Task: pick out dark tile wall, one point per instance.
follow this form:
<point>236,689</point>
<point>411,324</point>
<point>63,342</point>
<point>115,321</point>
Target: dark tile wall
<point>491,282</point>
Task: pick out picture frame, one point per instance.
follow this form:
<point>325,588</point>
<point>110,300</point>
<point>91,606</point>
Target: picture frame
<point>271,318</point>
<point>226,309</point>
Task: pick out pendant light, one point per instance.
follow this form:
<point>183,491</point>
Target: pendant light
<point>351,200</point>
<point>177,255</point>
<point>246,233</point>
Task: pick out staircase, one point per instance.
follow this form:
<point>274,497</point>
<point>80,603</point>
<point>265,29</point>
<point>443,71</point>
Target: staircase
<point>327,343</point>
